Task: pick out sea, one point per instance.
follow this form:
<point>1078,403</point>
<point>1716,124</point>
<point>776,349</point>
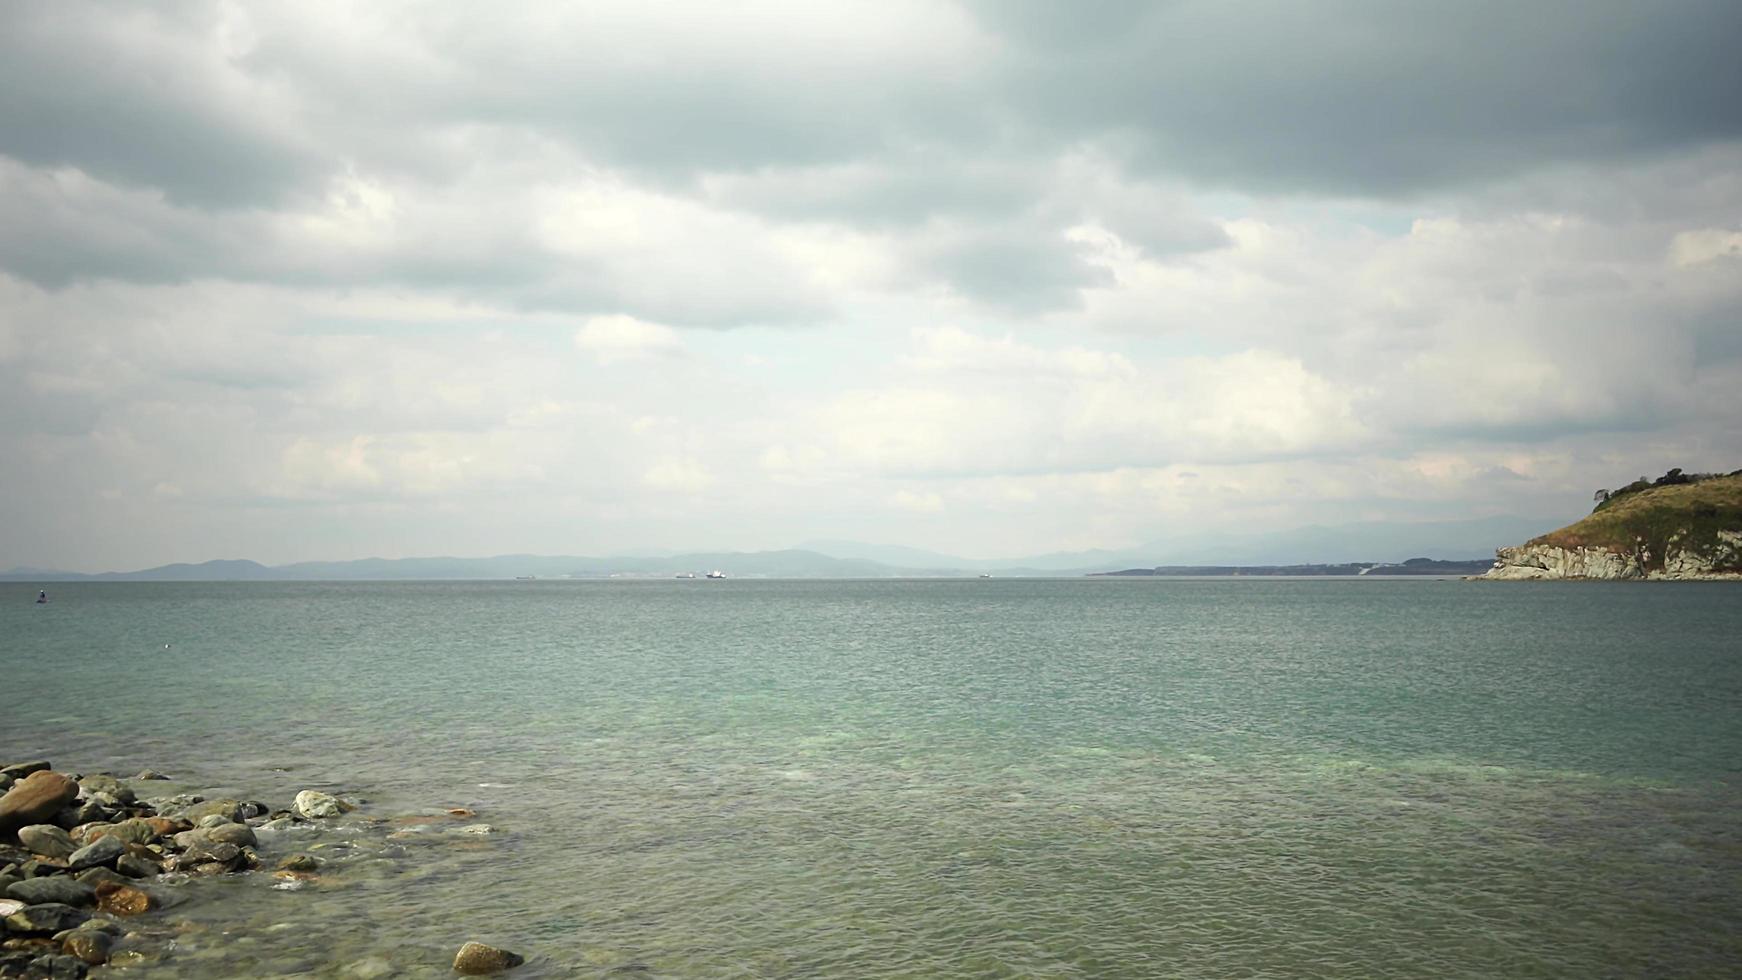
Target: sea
<point>927,778</point>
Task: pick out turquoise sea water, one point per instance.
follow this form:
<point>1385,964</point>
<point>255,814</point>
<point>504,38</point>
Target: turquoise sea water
<point>1066,778</point>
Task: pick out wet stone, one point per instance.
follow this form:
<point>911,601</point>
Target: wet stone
<point>47,840</point>
<point>149,774</point>
<point>20,770</point>
<point>102,876</point>
<point>122,900</point>
<point>45,919</point>
<point>230,810</point>
<point>300,862</point>
<point>108,786</point>
<point>134,866</point>
<point>42,868</point>
<point>89,945</point>
<point>477,959</point>
<point>315,805</point>
<point>131,831</point>
<point>61,890</point>
<point>102,851</point>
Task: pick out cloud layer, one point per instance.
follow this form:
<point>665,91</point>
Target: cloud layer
<point>318,282</point>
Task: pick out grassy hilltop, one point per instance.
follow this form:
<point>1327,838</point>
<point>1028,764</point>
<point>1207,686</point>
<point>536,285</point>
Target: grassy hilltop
<point>1688,511</point>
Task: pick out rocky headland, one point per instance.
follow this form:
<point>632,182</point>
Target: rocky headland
<point>1678,528</point>
<point>91,865</point>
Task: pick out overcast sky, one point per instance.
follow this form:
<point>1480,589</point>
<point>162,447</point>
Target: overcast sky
<point>994,277</point>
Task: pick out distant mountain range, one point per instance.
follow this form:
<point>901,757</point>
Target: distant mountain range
<point>1369,543</point>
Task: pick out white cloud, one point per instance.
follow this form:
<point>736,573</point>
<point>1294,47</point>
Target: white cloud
<point>917,502</point>
<point>684,476</point>
<point>611,339</point>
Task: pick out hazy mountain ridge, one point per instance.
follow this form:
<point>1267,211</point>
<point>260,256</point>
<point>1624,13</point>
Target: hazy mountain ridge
<point>1372,543</point>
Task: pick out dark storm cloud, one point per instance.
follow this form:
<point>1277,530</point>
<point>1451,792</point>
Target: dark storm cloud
<point>1353,96</point>
<point>136,97</point>
<point>1361,97</point>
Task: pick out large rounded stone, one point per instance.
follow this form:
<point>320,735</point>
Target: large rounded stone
<point>316,805</point>
<point>104,850</point>
<point>132,831</point>
<point>230,810</point>
<point>231,833</point>
<point>35,799</point>
<point>45,920</point>
<point>59,889</point>
<point>477,959</point>
<point>48,840</point>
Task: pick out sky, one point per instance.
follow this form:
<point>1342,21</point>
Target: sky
<point>990,277</point>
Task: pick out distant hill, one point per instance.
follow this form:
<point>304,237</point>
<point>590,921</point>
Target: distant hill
<point>1414,566</point>
<point>1680,526</point>
<point>1368,544</point>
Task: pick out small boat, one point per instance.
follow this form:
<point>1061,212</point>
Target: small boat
<point>716,573</point>
<point>685,575</point>
<point>41,597</point>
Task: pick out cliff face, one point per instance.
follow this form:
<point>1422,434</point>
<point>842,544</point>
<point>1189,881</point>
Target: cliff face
<point>1689,530</point>
<point>1547,561</point>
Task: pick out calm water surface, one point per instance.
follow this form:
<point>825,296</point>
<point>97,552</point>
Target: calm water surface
<point>1082,778</point>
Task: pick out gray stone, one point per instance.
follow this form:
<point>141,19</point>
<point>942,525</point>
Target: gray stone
<point>7,881</point>
<point>134,866</point>
<point>102,876</point>
<point>60,889</point>
<point>82,812</point>
<point>477,959</point>
<point>42,868</point>
<point>19,770</point>
<point>232,833</point>
<point>102,851</point>
<point>45,920</point>
<point>107,785</point>
<point>149,774</point>
<point>47,840</point>
<point>6,783</point>
<point>59,967</point>
<point>230,810</point>
<point>131,831</point>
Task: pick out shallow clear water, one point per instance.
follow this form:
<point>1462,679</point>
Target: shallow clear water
<point>1068,778</point>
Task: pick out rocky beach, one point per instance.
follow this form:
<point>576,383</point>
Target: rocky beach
<point>100,873</point>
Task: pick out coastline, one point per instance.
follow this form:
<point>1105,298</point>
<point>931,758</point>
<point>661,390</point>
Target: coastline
<point>92,865</point>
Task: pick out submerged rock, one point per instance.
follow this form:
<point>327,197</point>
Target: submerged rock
<point>123,900</point>
<point>89,945</point>
<point>300,862</point>
<point>477,959</point>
